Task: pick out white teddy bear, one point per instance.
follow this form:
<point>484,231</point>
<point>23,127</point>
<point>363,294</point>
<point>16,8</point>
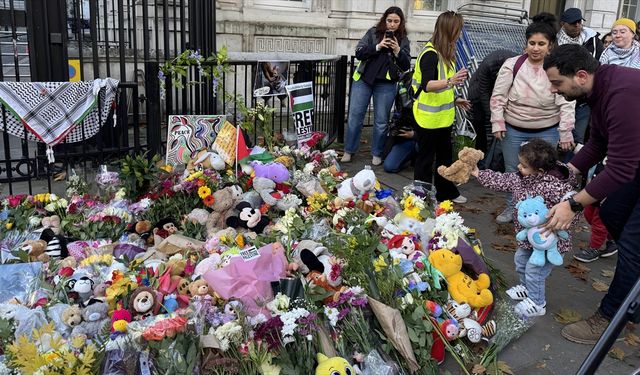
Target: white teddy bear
<point>356,186</point>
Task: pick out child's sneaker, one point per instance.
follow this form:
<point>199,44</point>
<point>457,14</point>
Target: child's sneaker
<point>529,309</point>
<point>518,292</point>
<point>587,255</point>
<point>610,249</point>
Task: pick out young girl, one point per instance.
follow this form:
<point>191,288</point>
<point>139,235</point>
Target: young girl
<point>539,173</point>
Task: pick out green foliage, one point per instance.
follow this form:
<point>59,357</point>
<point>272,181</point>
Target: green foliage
<point>177,70</point>
<point>138,173</point>
<point>194,230</point>
<point>174,207</point>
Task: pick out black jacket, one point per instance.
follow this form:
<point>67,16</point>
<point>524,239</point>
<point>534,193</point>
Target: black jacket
<point>377,63</point>
<point>594,44</point>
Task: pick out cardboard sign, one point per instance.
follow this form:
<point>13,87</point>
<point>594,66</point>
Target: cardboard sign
<point>225,143</point>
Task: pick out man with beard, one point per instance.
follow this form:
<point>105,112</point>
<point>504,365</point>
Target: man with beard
<point>612,93</point>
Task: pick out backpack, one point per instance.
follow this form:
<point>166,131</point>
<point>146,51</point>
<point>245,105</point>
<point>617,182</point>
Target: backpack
<point>405,89</point>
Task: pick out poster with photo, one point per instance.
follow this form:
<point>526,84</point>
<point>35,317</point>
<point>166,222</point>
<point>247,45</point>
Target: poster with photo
<point>271,78</point>
<point>301,101</point>
<point>189,133</point>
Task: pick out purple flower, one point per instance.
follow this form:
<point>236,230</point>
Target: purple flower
<point>161,75</point>
<point>344,312</point>
<point>359,302</point>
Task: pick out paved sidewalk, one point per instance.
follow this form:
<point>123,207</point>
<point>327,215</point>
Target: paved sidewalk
<point>541,350</point>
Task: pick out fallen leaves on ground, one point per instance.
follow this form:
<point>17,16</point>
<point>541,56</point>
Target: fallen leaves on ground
<point>617,353</point>
<point>566,316</point>
<point>578,270</point>
<point>632,339</point>
<point>503,247</point>
<point>505,230</point>
<point>469,209</point>
<point>547,347</point>
<point>478,369</point>
<point>607,272</point>
<point>600,285</point>
<point>541,365</point>
<point>502,368</point>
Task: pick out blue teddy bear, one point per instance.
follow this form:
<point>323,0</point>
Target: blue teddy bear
<point>532,215</point>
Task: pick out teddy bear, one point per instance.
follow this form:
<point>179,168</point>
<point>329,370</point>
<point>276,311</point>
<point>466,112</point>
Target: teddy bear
<point>462,288</point>
<point>205,159</point>
<point>35,250</point>
<point>144,229</point>
<point>95,318</point>
<point>72,316</point>
<point>142,302</point>
<point>224,201</point>
<point>249,218</point>
<point>357,186</point>
<point>461,169</point>
<point>52,222</point>
<point>532,214</point>
<point>200,288</point>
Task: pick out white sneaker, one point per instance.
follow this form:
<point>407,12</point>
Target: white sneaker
<point>518,292</point>
<point>376,160</point>
<point>505,216</point>
<point>460,200</point>
<point>346,157</point>
<point>529,309</point>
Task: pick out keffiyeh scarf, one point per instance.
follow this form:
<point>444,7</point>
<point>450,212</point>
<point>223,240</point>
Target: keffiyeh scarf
<point>51,111</point>
<point>629,57</point>
<point>563,38</point>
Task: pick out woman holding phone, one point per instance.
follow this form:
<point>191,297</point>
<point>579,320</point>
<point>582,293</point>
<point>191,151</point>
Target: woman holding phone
<point>384,54</point>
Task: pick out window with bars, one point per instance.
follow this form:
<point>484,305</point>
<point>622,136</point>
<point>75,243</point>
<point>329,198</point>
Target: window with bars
<point>430,5</point>
<point>629,9</point>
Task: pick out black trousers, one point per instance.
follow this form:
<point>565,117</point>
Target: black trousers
<point>434,145</point>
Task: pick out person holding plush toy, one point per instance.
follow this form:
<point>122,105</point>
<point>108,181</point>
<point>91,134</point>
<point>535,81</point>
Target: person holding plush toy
<point>539,174</point>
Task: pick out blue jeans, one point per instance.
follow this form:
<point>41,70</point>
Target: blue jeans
<point>399,154</point>
<point>511,147</point>
<point>384,94</point>
<point>620,213</point>
<point>532,277</point>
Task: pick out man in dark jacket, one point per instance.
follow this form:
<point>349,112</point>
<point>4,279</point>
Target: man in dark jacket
<point>480,89</point>
<point>611,92</point>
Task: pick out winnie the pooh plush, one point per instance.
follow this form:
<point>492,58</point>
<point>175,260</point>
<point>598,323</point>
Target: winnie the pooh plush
<point>333,366</point>
<point>462,287</point>
<point>460,170</point>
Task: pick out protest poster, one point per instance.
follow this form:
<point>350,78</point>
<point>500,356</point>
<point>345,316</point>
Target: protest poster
<point>190,133</point>
<point>271,78</point>
<point>225,143</point>
<point>301,101</point>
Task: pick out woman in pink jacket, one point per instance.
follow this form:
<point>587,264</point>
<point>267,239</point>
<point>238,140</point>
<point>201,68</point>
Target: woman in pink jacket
<point>522,105</point>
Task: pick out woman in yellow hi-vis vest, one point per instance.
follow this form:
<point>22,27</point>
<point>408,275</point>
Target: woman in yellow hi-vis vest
<point>434,108</point>
<point>383,53</point>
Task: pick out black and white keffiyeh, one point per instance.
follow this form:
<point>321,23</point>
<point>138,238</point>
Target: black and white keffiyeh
<point>52,111</point>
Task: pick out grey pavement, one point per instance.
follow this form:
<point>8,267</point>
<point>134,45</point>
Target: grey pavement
<point>542,349</point>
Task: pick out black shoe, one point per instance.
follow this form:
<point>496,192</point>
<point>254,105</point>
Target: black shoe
<point>610,249</point>
<point>587,255</point>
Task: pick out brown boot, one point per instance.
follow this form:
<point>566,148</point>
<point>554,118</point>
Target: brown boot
<point>586,331</point>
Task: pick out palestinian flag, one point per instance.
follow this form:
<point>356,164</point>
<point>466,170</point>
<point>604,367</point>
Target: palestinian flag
<point>301,96</point>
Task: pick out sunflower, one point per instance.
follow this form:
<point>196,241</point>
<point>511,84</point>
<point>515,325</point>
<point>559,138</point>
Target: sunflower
<point>209,200</point>
<point>204,191</point>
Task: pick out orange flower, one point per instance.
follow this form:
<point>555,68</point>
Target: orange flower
<point>200,182</point>
<point>209,200</point>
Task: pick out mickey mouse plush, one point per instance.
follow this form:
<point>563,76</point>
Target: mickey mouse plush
<point>248,217</point>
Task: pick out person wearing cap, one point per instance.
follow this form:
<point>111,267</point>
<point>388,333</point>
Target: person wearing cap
<point>572,31</point>
<point>624,51</point>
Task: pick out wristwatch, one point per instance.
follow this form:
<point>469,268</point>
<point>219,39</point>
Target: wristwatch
<point>575,206</point>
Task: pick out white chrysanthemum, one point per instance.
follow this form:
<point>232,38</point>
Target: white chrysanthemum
<point>332,314</point>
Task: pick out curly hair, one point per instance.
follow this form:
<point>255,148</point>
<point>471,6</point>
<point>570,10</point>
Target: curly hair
<point>539,154</point>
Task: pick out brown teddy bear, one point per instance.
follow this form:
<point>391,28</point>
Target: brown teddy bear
<point>142,302</point>
<point>72,316</point>
<point>36,250</point>
<point>460,170</point>
<point>200,287</point>
<point>223,205</point>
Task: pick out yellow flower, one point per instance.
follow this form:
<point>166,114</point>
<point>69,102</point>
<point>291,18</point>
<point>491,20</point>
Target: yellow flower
<point>167,168</point>
<point>204,192</point>
<point>194,175</point>
<point>8,225</point>
<point>50,357</point>
<point>379,264</point>
<point>240,241</point>
<point>447,206</point>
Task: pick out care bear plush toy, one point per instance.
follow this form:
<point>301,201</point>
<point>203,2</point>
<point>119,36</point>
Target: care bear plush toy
<point>532,214</point>
<point>361,183</point>
<point>460,170</point>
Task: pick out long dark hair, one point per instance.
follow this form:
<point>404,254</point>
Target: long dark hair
<point>545,24</point>
<point>381,27</point>
<point>447,31</point>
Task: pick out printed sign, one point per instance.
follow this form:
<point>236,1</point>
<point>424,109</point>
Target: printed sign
<point>301,101</point>
<point>190,133</point>
<point>225,143</point>
<point>271,78</point>
<point>249,254</point>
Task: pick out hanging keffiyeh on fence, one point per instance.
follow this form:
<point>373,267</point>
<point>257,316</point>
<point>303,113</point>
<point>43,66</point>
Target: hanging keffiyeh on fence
<point>52,111</point>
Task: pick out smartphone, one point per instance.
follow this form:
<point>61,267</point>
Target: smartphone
<point>388,34</point>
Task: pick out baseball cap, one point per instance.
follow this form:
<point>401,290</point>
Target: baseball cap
<point>571,15</point>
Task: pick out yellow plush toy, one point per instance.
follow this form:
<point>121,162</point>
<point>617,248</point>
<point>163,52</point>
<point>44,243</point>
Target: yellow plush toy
<point>460,170</point>
<point>462,288</point>
<point>333,366</point>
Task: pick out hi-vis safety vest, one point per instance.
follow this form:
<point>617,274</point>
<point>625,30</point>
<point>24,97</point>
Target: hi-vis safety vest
<point>434,109</point>
<point>360,69</point>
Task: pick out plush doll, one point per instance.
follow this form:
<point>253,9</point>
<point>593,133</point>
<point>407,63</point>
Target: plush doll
<point>35,250</point>
<point>200,288</point>
<point>404,247</point>
<point>72,316</point>
<point>532,216</point>
<point>224,201</point>
<point>120,320</point>
<point>56,244</point>
<point>144,229</point>
<point>52,222</point>
<point>83,286</point>
<point>461,169</point>
<point>142,302</point>
<point>357,186</point>
<point>100,291</point>
<point>321,280</point>
<point>275,172</point>
<point>205,159</point>
<point>462,288</point>
<point>248,218</point>
<point>310,256</point>
<point>95,319</point>
<point>163,229</point>
<point>333,366</point>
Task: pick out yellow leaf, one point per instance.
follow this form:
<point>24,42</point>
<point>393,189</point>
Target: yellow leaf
<point>617,353</point>
<point>632,339</point>
<point>566,316</point>
<point>504,368</point>
<point>541,365</point>
<point>478,369</point>
<point>607,272</point>
<point>599,285</point>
